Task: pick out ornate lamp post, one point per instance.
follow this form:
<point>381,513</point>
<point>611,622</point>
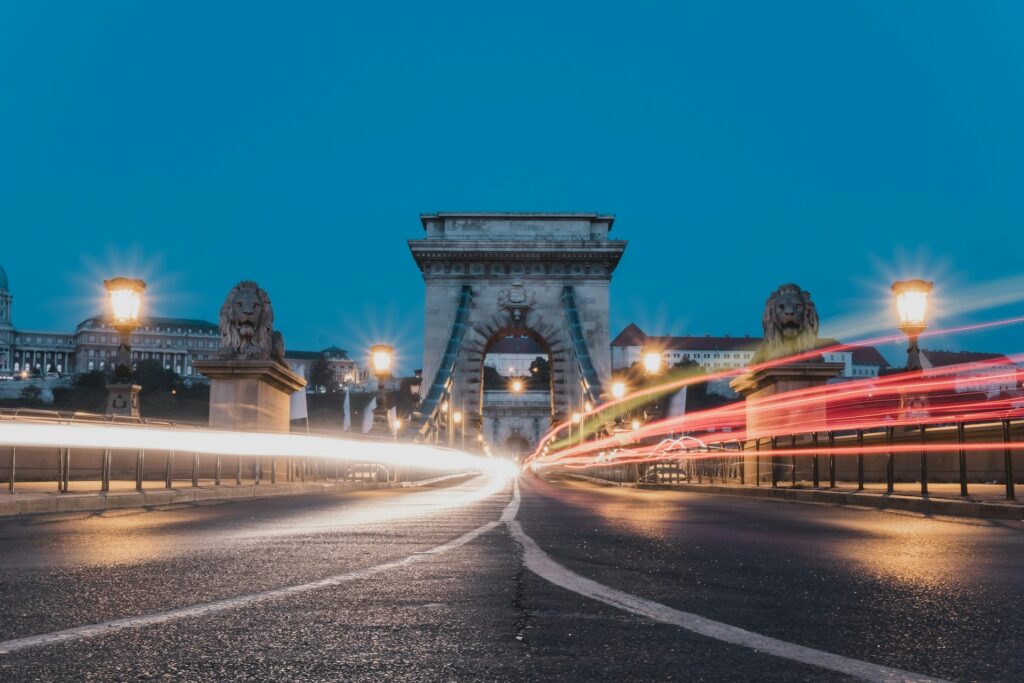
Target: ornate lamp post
<point>912,305</point>
<point>381,356</point>
<point>125,304</point>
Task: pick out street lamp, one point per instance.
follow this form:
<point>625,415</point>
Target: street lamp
<point>652,361</point>
<point>516,386</point>
<point>912,306</point>
<point>618,390</point>
<point>381,356</point>
<point>125,304</point>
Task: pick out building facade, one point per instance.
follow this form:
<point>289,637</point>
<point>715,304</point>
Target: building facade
<point>715,354</point>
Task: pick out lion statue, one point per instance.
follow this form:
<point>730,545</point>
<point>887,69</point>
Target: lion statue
<point>790,323</point>
<point>247,325</point>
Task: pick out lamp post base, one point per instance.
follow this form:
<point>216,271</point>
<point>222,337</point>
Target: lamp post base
<point>123,399</point>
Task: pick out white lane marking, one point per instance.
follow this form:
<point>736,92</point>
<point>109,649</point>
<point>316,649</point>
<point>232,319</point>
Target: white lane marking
<point>108,627</point>
<point>541,564</point>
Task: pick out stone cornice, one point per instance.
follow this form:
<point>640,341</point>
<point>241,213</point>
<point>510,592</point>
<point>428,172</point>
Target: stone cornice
<point>477,250</point>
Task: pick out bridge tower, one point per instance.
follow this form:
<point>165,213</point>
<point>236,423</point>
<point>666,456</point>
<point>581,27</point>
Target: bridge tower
<point>491,276</point>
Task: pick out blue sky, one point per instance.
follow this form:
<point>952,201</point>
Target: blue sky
<point>740,145</point>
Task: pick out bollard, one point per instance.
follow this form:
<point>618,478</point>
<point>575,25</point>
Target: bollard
<point>105,471</point>
<point>814,461</point>
<point>169,474</point>
<point>792,459</point>
<point>889,475</point>
<point>860,460</point>
<point>757,461</point>
<point>140,464</point>
<point>924,462</point>
<point>1008,462</point>
<point>963,458</point>
<point>831,460</point>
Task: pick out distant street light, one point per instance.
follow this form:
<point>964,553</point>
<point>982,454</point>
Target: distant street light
<point>125,305</point>
<point>618,390</point>
<point>652,361</point>
<point>381,356</point>
<point>516,386</point>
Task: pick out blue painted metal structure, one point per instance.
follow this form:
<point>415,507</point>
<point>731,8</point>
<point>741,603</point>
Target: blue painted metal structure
<point>432,401</point>
<point>579,342</point>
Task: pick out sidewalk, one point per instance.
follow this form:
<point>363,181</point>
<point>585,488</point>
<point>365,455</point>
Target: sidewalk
<point>42,497</point>
<point>986,501</point>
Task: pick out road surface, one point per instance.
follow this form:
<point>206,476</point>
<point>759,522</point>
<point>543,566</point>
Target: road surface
<point>583,583</point>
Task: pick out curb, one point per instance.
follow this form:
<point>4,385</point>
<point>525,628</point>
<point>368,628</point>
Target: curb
<point>926,506</point>
<point>37,504</point>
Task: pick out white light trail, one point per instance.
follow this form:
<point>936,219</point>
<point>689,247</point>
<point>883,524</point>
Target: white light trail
<point>248,444</point>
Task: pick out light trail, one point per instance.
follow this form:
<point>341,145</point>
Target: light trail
<point>549,438</point>
<point>266,444</point>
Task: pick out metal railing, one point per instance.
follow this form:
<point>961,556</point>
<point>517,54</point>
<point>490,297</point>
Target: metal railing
<point>808,462</point>
<point>62,465</point>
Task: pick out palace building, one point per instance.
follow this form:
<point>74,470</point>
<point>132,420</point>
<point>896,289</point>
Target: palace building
<point>173,342</point>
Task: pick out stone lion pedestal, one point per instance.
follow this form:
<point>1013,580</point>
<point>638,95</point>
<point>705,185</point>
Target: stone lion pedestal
<point>765,383</point>
<point>250,395</point>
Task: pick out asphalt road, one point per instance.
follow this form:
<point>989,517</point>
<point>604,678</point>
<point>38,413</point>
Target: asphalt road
<point>431,585</point>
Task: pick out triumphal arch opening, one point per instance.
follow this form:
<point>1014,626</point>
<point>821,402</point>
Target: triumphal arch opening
<point>516,323</point>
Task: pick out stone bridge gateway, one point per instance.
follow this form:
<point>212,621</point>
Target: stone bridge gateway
<point>491,275</point>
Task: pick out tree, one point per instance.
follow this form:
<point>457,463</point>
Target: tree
<point>540,375</point>
<point>320,373</point>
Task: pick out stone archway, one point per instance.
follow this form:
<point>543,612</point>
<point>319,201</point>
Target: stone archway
<point>546,275</point>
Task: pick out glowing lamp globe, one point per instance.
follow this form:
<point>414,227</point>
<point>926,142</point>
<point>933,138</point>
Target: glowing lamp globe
<point>912,303</point>
<point>517,386</point>
<point>125,299</point>
<point>457,417</point>
<point>380,359</point>
<point>652,361</point>
<point>618,390</point>
<point>577,418</point>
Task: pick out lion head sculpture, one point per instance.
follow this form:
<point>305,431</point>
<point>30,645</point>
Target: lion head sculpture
<point>790,323</point>
<point>247,325</point>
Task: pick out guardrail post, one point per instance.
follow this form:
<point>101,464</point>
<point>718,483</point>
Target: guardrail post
<point>1008,461</point>
<point>963,458</point>
<point>889,473</point>
<point>775,469</point>
<point>60,469</point>
<point>924,461</point>
<point>217,470</point>
<point>814,460</point>
<point>195,469</point>
<point>14,458</point>
<point>67,470</point>
<point>860,459</point>
<point>140,464</point>
<point>238,472</point>
<point>258,470</point>
<point>105,471</point>
<point>757,461</point>
<point>792,459</point>
<point>169,474</point>
<point>273,470</point>
<point>831,460</point>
